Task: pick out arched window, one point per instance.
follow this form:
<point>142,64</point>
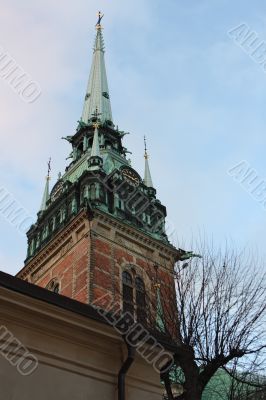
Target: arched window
<point>38,241</point>
<point>84,193</point>
<point>74,206</point>
<point>53,286</point>
<point>108,144</point>
<point>139,284</point>
<point>58,219</point>
<point>63,214</point>
<point>140,300</point>
<point>93,191</point>
<point>51,225</point>
<point>128,305</point>
<point>32,246</point>
<point>85,143</point>
<point>90,142</point>
<point>56,288</point>
<point>80,149</point>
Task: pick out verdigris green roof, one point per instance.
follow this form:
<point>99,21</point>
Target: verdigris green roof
<point>147,172</point>
<point>46,195</point>
<point>95,151</point>
<point>97,94</point>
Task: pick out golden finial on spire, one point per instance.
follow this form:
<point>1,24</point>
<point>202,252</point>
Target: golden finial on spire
<point>156,284</point>
<point>100,17</point>
<point>96,114</point>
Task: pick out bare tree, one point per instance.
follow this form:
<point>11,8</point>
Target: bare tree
<point>221,306</point>
<point>237,382</point>
<point>247,380</point>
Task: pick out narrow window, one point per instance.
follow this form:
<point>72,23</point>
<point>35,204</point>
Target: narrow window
<point>56,288</point>
<point>53,286</point>
<point>128,305</point>
<point>58,219</point>
<point>93,191</point>
<point>51,225</point>
<point>140,300</point>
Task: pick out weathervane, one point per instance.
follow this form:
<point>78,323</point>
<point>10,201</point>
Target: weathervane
<point>145,145</point>
<point>100,17</point>
<point>49,168</point>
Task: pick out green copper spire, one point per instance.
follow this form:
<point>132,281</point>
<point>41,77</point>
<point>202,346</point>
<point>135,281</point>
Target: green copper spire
<point>159,310</point>
<point>97,95</point>
<point>95,159</point>
<point>147,173</point>
<point>95,151</point>
<point>46,193</point>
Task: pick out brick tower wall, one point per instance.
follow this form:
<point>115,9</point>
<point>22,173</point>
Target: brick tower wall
<point>88,258</point>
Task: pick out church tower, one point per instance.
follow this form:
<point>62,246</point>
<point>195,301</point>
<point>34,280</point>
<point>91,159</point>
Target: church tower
<point>101,229</point>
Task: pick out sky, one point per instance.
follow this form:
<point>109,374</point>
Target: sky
<point>175,75</point>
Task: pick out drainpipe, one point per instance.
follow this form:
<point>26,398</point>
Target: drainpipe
<point>123,371</point>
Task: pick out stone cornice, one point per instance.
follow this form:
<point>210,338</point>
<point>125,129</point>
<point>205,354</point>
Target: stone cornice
<point>54,243</point>
<point>135,233</point>
<point>126,230</point>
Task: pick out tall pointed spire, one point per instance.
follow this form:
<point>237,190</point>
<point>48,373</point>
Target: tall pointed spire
<point>46,193</point>
<point>97,94</point>
<point>95,151</point>
<point>95,159</point>
<point>147,174</point>
<point>159,307</point>
<point>160,324</point>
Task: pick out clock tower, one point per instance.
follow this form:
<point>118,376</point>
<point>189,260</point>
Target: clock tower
<point>100,231</point>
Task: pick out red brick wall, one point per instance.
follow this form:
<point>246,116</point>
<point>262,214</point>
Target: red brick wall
<point>108,262</point>
<point>71,271</point>
<point>92,269</point>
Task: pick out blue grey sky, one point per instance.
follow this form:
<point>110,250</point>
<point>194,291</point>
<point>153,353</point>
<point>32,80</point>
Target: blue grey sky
<point>174,75</point>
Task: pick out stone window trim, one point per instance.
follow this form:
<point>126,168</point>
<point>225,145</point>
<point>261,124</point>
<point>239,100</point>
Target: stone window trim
<point>135,271</point>
<point>53,285</point>
<point>133,291</point>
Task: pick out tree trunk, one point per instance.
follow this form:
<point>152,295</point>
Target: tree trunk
<point>192,394</point>
<point>192,386</point>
